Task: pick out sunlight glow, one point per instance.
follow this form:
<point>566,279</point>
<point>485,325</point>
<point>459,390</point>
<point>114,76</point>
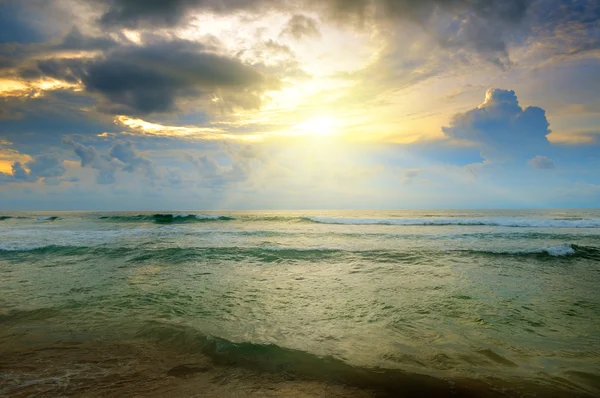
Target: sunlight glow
<point>320,125</point>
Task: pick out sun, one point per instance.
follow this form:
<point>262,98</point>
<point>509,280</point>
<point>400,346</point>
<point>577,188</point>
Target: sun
<point>319,125</point>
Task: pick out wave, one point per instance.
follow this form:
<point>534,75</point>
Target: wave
<point>47,218</point>
<point>175,255</point>
<point>39,218</point>
<point>498,222</point>
<point>417,381</point>
<point>271,358</point>
<point>168,218</point>
<point>555,251</point>
<point>566,250</point>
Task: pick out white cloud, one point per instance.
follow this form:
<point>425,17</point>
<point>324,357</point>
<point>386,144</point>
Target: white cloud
<point>501,127</point>
<point>542,163</point>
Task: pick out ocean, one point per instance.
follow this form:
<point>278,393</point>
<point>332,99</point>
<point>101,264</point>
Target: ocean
<point>300,303</point>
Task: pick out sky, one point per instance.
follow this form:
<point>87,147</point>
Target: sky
<point>304,104</point>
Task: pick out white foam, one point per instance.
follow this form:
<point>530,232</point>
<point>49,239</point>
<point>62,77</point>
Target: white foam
<point>207,217</point>
<point>20,248</point>
<point>563,250</point>
<point>556,251</point>
<point>198,216</point>
<point>500,222</point>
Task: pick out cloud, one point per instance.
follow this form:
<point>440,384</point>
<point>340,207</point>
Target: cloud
<point>125,152</point>
<point>501,127</point>
<point>46,118</point>
<point>564,28</point>
<point>121,156</point>
<point>238,163</point>
<point>149,78</point>
<point>409,176</point>
<point>19,173</point>
<point>300,26</point>
<point>15,26</point>
<point>75,40</point>
<point>167,13</point>
<point>541,163</point>
<point>480,25</point>
<point>48,166</point>
<point>576,137</point>
<point>88,154</point>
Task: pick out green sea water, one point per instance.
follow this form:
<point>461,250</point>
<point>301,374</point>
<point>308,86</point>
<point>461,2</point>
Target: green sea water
<point>506,298</point>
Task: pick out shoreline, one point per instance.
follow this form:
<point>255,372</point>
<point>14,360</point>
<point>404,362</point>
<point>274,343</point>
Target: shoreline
<point>143,367</point>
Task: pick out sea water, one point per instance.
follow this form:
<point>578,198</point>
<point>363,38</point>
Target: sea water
<point>374,302</point>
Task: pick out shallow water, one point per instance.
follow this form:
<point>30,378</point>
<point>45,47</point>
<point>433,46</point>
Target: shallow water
<point>380,301</point>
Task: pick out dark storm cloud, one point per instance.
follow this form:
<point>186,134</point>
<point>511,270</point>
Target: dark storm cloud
<point>133,13</point>
<point>509,10</point>
<point>17,54</point>
<point>482,26</point>
<point>477,24</point>
<point>38,123</point>
<point>145,79</point>
<point>69,70</point>
<point>573,22</point>
<point>150,79</point>
<point>75,40</point>
<point>15,24</point>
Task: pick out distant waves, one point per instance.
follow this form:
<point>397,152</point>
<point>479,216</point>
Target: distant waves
<point>184,218</point>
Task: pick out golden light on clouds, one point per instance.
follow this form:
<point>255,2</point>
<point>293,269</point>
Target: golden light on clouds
<point>6,166</point>
<point>573,137</point>
<point>34,88</point>
<point>10,87</point>
<point>9,156</point>
<point>143,127</point>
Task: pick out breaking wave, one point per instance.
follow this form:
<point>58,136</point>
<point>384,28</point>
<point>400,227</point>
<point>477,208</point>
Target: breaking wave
<point>44,218</point>
<point>168,218</point>
<point>498,222</point>
<point>555,251</point>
